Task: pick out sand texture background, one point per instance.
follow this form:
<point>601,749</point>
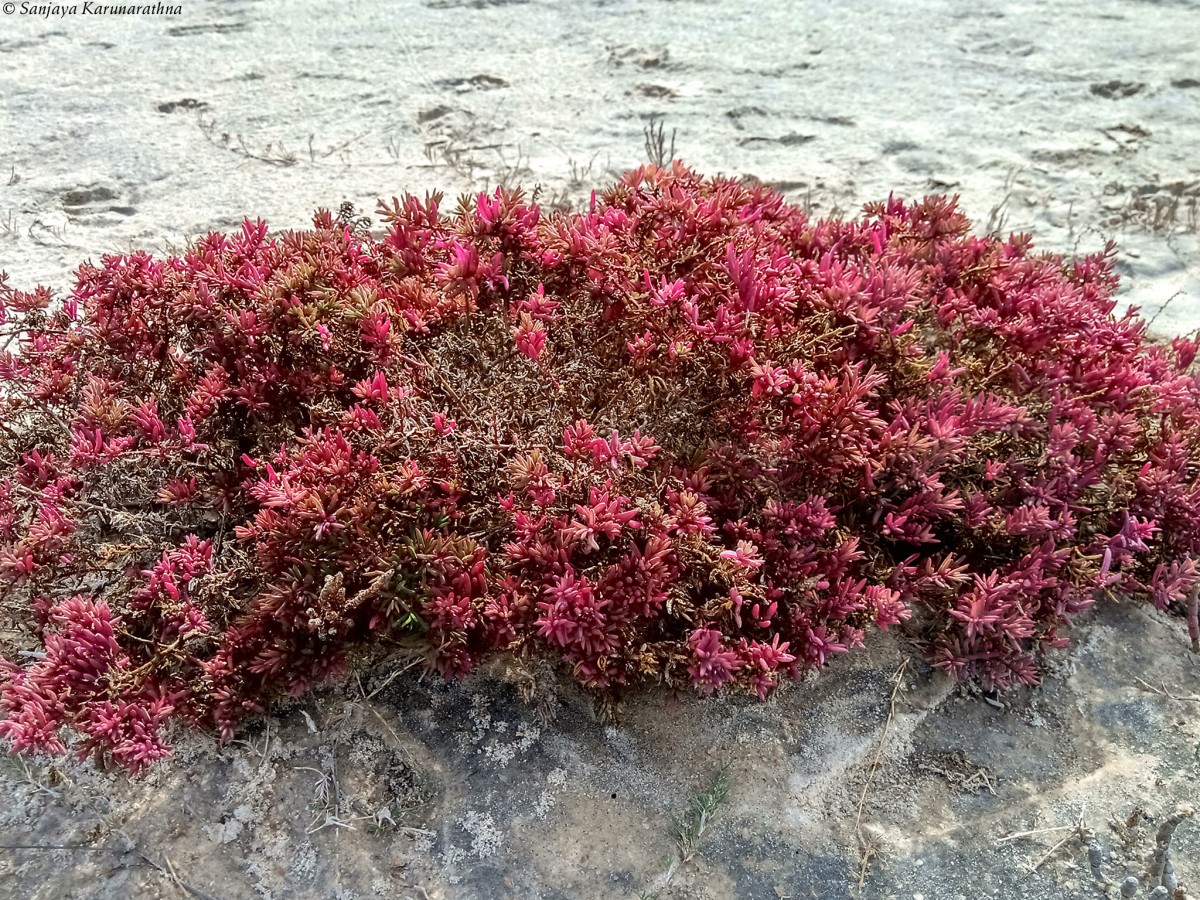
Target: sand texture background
<point>1076,121</point>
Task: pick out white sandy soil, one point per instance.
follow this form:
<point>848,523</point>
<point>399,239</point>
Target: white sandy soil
<point>1076,121</point>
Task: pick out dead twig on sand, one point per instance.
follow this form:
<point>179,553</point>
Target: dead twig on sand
<point>1087,835</point>
<point>130,850</point>
<point>392,677</point>
<point>1149,325</point>
<point>399,744</point>
<point>169,872</point>
<point>273,154</point>
<point>1024,834</point>
<point>659,150</point>
<point>83,847</point>
<point>1162,691</point>
<point>866,848</point>
<point>1077,829</point>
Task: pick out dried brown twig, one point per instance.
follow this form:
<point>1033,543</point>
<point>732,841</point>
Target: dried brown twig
<point>866,848</point>
<point>1162,691</point>
<point>1077,830</point>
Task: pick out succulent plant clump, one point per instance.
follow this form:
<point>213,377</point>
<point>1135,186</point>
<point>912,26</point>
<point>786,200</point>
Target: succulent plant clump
<point>688,436</point>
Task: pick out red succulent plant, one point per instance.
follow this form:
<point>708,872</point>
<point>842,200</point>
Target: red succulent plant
<point>687,436</point>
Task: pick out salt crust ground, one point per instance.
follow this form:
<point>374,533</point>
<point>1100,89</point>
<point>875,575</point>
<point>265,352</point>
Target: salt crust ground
<point>1075,121</point>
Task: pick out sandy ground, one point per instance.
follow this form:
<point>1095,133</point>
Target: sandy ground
<point>1076,121</point>
<point>428,790</point>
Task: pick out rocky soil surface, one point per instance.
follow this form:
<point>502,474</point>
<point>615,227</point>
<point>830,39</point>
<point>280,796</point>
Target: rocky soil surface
<point>1075,121</point>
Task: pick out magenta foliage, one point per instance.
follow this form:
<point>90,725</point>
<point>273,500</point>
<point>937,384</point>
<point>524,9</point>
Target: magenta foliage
<point>687,436</point>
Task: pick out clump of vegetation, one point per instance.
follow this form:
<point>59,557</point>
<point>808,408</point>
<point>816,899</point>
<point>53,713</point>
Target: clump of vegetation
<point>689,436</point>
